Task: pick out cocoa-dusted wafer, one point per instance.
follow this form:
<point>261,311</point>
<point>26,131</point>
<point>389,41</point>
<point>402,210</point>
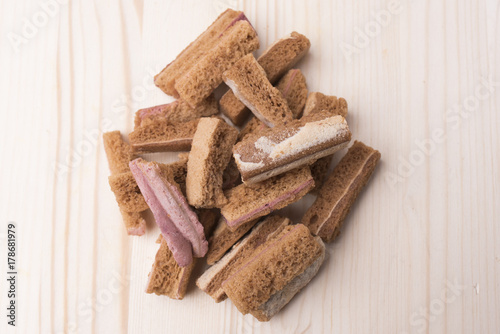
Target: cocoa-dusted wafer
<point>129,199</point>
<point>223,238</point>
<point>249,83</point>
<point>212,278</point>
<point>167,277</point>
<point>280,268</point>
<point>317,102</point>
<point>205,75</point>
<point>177,112</point>
<point>165,80</point>
<point>161,135</point>
<point>274,151</point>
<point>248,202</point>
<point>210,154</point>
<point>278,58</point>
<point>325,217</point>
<point>293,88</point>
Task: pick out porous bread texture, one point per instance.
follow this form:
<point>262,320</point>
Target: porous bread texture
<point>248,202</point>
<point>325,217</point>
<point>161,135</point>
<point>276,264</point>
<point>223,238</point>
<point>231,176</point>
<point>204,76</point>
<point>283,54</point>
<point>250,85</point>
<point>167,277</point>
<point>294,89</point>
<point>319,170</point>
<point>276,60</point>
<point>165,80</point>
<point>134,222</point>
<point>317,102</point>
<point>208,218</point>
<point>210,154</point>
<point>127,192</point>
<point>118,152</point>
<point>211,280</point>
<point>233,108</point>
<point>177,171</point>
<point>177,112</point>
<point>253,126</point>
<point>276,150</point>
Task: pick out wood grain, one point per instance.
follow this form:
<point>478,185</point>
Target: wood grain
<point>419,251</point>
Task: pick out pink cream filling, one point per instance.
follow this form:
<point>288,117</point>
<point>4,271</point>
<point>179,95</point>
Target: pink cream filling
<point>270,205</point>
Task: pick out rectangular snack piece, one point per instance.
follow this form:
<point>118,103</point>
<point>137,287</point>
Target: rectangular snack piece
<point>119,153</point>
<point>204,76</point>
<point>279,270</point>
<point>211,280</point>
<point>177,111</point>
<point>274,151</point>
<point>165,80</point>
<point>325,217</point>
<point>210,154</point>
<point>178,223</point>
<point>223,238</point>
<point>278,58</point>
<point>317,102</point>
<point>293,88</point>
<point>248,202</point>
<point>167,277</point>
<point>162,135</point>
<point>250,85</point>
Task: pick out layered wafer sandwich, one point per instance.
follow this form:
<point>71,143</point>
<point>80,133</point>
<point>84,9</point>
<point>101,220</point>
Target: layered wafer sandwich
<point>212,278</point>
<point>249,202</point>
<point>276,60</point>
<point>336,196</point>
<point>274,151</point>
<point>277,271</point>
<point>198,69</point>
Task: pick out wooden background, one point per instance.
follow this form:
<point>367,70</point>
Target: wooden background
<point>418,254</point>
